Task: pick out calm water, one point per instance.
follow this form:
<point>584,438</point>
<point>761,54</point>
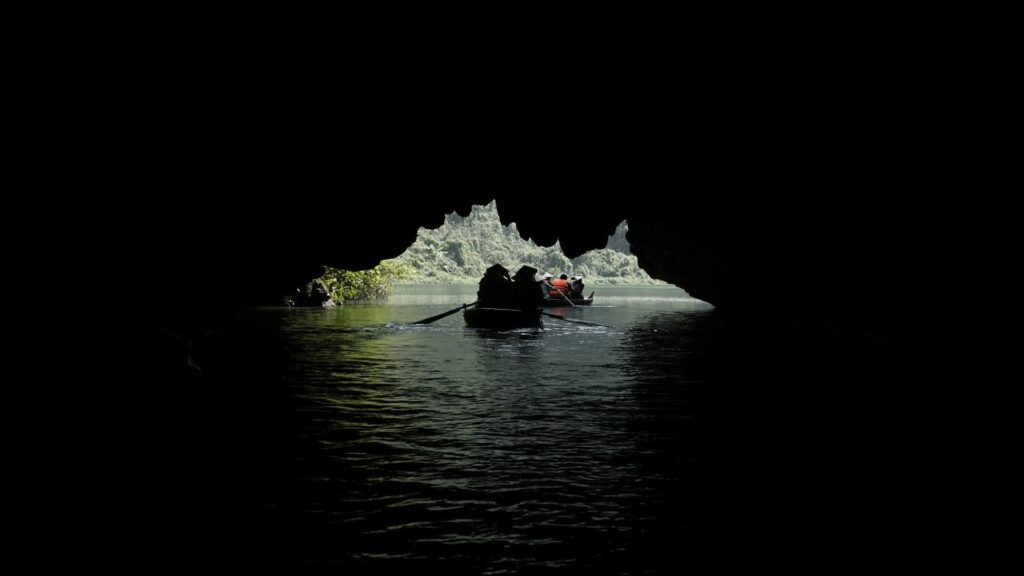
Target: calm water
<point>493,451</point>
<point>679,438</point>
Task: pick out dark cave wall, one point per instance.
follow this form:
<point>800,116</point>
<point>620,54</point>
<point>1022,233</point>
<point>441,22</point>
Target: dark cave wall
<point>791,151</point>
<point>846,269</point>
<point>788,162</point>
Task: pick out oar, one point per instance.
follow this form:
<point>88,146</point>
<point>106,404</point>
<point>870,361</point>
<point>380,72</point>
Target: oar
<point>562,294</point>
<point>448,313</point>
<point>576,321</point>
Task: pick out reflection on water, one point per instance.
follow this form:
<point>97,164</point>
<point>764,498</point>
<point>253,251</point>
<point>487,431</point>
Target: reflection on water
<point>676,437</point>
<point>484,450</point>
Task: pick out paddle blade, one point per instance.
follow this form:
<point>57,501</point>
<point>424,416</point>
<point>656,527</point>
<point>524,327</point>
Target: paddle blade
<point>556,316</point>
<point>443,314</point>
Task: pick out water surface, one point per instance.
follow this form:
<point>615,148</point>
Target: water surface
<point>492,451</point>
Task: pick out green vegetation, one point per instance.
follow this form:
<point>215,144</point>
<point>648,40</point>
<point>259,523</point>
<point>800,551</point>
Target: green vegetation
<point>459,251</point>
<point>375,283</point>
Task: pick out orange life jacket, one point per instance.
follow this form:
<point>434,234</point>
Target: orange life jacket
<point>561,287</point>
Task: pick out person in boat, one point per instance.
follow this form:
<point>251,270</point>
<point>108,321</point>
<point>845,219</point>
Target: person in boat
<point>576,285</point>
<point>545,284</point>
<point>495,288</point>
<point>560,286</point>
<point>524,289</point>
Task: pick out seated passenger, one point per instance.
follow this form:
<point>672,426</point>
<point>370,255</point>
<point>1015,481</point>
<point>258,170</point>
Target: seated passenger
<point>577,287</point>
<point>545,284</point>
<point>560,286</point>
<point>495,288</point>
<point>524,289</point>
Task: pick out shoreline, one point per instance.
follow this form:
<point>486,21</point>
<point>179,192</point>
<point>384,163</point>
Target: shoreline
<point>588,282</point>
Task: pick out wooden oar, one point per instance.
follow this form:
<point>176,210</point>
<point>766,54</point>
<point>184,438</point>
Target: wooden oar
<point>562,294</point>
<point>448,313</point>
<point>576,321</point>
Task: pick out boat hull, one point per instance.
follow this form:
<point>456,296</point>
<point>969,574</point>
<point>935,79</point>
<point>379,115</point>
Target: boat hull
<point>560,302</point>
<point>501,318</point>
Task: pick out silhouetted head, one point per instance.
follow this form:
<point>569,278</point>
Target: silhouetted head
<point>564,276</point>
<point>497,269</point>
<point>526,272</point>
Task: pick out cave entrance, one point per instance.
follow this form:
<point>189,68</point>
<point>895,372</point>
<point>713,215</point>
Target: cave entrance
<point>460,250</point>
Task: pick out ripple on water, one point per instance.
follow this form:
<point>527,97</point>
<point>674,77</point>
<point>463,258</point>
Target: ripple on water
<point>499,451</point>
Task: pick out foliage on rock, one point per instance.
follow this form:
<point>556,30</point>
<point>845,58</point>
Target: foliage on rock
<point>373,284</point>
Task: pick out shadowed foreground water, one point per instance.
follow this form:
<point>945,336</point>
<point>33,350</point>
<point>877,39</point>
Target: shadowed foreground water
<point>493,451</point>
<point>676,438</point>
